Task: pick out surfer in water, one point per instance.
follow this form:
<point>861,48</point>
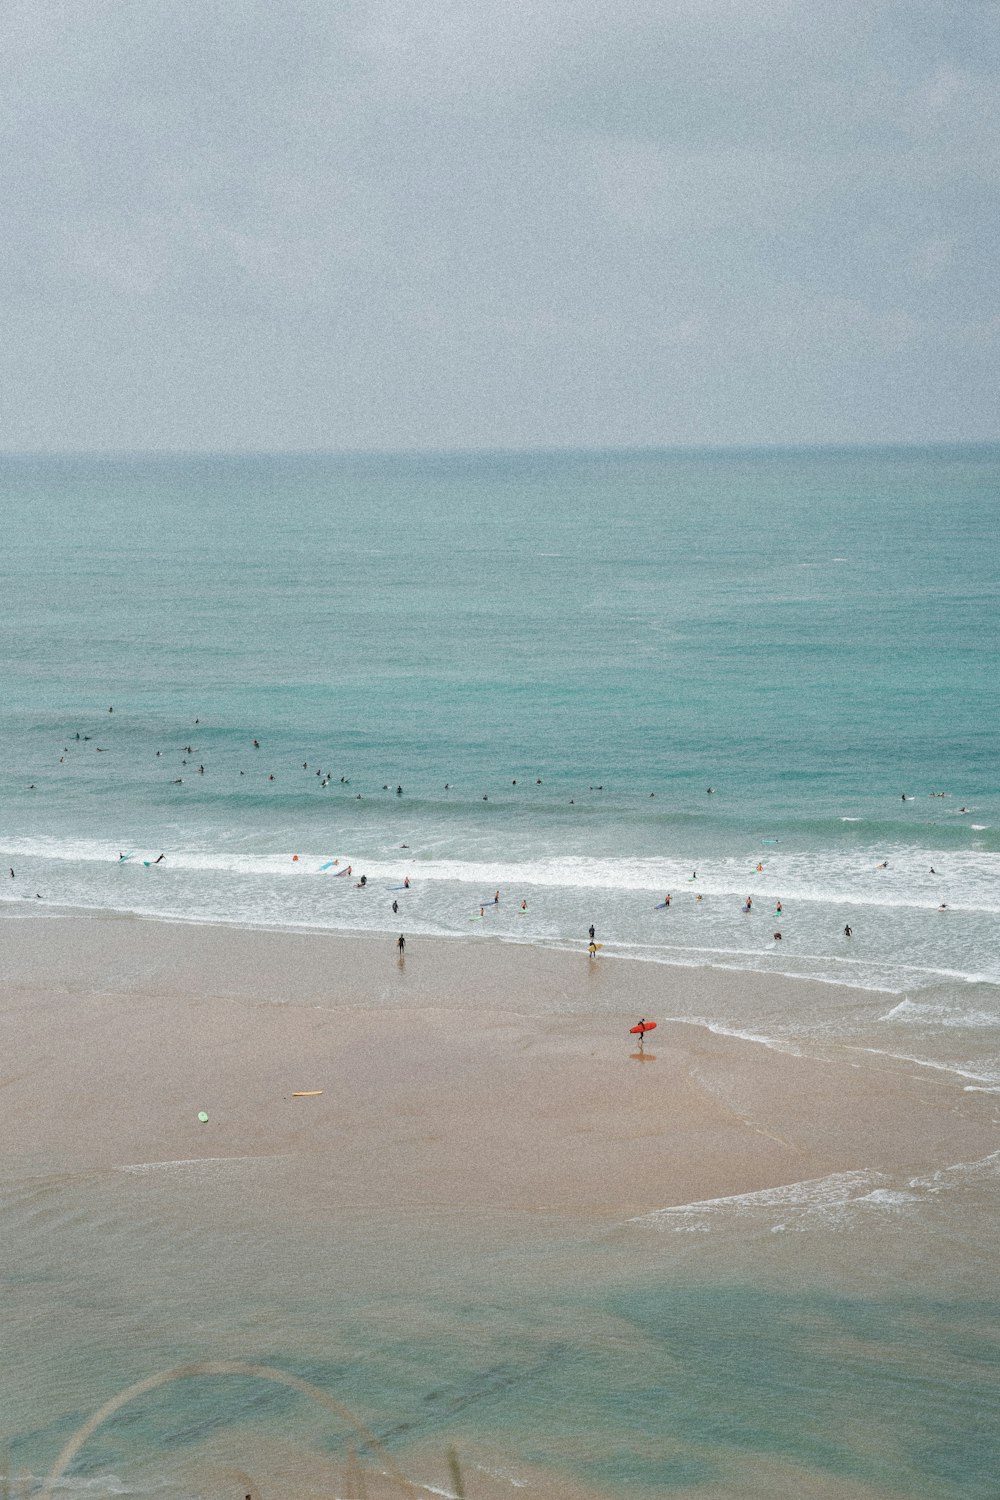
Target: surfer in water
<point>848,932</point>
<point>395,906</point>
<point>406,882</point>
<point>590,929</point>
<point>592,948</point>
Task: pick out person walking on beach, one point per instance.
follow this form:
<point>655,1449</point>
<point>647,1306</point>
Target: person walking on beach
<point>401,944</point>
<point>592,948</point>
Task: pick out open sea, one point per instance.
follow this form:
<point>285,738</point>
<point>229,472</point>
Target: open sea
<point>554,657</point>
<point>586,682</point>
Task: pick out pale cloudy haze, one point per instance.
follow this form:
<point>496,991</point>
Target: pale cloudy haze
<point>498,224</point>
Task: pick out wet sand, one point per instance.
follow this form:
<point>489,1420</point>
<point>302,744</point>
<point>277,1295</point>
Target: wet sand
<point>468,1075</point>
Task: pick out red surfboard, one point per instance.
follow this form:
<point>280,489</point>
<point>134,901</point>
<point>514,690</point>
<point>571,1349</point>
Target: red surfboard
<point>645,1026</point>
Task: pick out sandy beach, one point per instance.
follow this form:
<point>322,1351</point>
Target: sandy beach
<point>451,1077</point>
<point>474,1104</point>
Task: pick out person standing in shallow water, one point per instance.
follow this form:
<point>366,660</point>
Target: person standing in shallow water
<point>401,944</point>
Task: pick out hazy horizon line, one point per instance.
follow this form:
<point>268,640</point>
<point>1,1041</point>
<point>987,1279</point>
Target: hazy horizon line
<point>541,451</point>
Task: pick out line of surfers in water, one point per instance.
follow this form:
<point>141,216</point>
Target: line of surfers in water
<point>593,947</point>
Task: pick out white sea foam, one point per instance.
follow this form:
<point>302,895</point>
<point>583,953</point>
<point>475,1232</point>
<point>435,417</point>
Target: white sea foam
<point>818,1196</point>
<point>836,1201</point>
<point>99,1485</point>
<point>940,1015</point>
<point>927,1062</point>
<point>774,1044</point>
<point>985,1170</point>
<point>141,1167</point>
<point>968,880</point>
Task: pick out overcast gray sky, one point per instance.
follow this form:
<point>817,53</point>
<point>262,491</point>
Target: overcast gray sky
<point>394,223</point>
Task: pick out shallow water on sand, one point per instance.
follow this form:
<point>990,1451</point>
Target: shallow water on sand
<point>629,1359</point>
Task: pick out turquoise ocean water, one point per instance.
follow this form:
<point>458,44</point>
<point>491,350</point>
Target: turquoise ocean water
<point>554,657</point>
<point>811,634</point>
